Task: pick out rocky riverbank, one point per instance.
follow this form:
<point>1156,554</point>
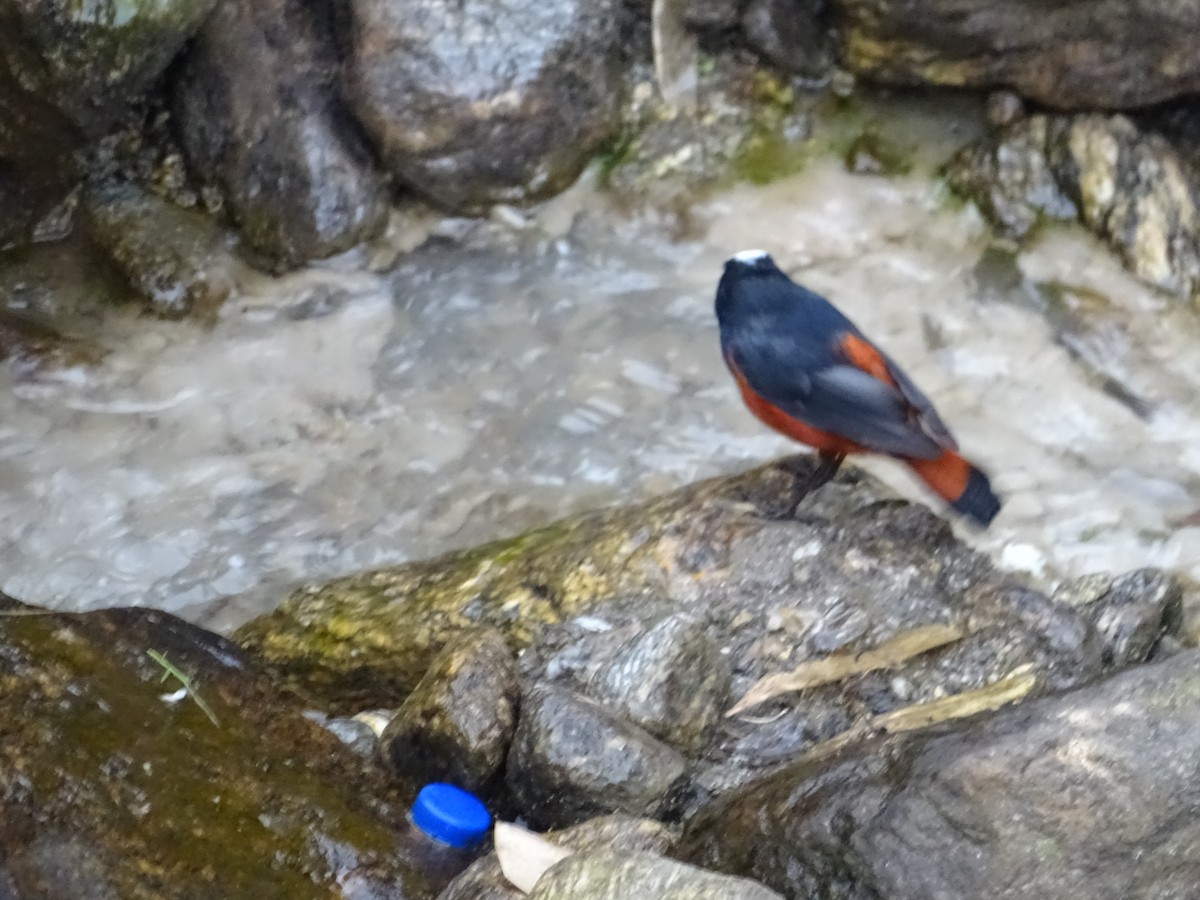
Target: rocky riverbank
<point>693,660</point>
<point>694,695</point>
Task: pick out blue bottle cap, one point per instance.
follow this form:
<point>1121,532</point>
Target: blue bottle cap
<point>450,815</point>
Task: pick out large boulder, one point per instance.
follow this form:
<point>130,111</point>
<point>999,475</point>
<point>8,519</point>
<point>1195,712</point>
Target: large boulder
<point>631,621</point>
<point>93,61</point>
<point>261,121</point>
<point>143,757</point>
<point>1091,793</point>
<point>1106,54</point>
<point>477,102</point>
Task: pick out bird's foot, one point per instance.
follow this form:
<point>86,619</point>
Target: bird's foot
<point>803,485</point>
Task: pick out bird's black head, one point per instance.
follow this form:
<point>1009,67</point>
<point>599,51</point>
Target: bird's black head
<point>746,275</point>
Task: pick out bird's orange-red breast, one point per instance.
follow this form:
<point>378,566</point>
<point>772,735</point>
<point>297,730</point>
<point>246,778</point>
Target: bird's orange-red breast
<point>805,370</point>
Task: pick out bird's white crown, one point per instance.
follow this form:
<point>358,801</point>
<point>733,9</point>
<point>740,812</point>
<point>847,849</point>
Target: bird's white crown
<point>750,256</point>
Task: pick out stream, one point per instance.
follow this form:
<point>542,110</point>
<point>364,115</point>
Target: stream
<point>363,413</point>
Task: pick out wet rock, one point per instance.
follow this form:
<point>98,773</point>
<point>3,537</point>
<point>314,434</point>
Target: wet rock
<point>484,880</point>
<point>458,723</point>
<point>29,345</point>
<point>1085,794</point>
<point>356,734</point>
<point>871,154</point>
<point>790,34</point>
<point>1104,54</point>
<point>1003,108</point>
<point>117,783</point>
<point>177,260</point>
<point>753,125</point>
<point>1130,187</point>
<point>93,61</point>
<point>713,15</point>
<point>262,124</point>
<point>671,680</point>
<point>572,759</point>
<point>573,653</point>
<point>1131,612</point>
<point>37,166</point>
<point>607,875</point>
<point>480,102</point>
<point>1011,178</point>
<point>860,571</point>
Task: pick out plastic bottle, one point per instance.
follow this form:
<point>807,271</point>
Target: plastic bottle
<point>447,826</point>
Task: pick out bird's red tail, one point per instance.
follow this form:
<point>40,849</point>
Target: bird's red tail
<point>960,484</point>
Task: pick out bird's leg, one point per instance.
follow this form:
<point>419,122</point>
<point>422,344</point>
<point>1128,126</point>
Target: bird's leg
<point>819,477</point>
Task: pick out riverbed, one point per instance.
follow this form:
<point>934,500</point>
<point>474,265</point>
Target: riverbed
<point>396,403</point>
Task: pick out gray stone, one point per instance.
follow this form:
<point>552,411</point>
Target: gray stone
<point>1131,612</point>
<point>572,759</point>
<point>458,723</point>
<point>37,165</point>
<point>262,123</point>
<point>1098,54</point>
<point>713,15</point>
<point>93,61</point>
<point>177,260</point>
<point>1091,793</point>
<point>478,102</point>
<point>791,34</point>
<point>670,680</point>
<point>1130,187</point>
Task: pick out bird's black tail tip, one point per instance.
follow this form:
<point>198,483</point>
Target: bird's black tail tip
<point>978,502</point>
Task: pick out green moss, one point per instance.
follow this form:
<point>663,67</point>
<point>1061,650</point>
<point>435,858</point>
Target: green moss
<point>159,791</point>
<point>615,153</point>
<point>871,152</point>
<point>767,155</point>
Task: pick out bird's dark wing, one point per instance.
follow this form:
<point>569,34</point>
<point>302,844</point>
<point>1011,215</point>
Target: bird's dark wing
<point>836,397</point>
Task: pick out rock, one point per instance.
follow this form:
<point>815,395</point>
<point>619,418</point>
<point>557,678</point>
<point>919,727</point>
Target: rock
<point>458,723</point>
<point>671,680</point>
<point>37,165</point>
<point>860,572</point>
<point>93,61</point>
<point>1085,794</point>
<point>1130,187</point>
<point>1131,612</point>
<point>352,731</point>
<point>177,260</point>
<point>1103,54</point>
<point>484,880</point>
<point>261,122</point>
<point>573,653</point>
<point>1003,108</point>
<point>1011,179</point>
<point>118,782</point>
<point>790,34</point>
<point>713,15</point>
<point>572,759</point>
<point>479,102</point>
<point>754,126</point>
<point>608,875</point>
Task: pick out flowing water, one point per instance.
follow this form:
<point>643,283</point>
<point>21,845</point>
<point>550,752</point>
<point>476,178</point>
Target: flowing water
<point>348,417</point>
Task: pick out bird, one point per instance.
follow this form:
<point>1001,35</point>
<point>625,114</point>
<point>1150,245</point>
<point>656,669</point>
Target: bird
<point>806,371</point>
